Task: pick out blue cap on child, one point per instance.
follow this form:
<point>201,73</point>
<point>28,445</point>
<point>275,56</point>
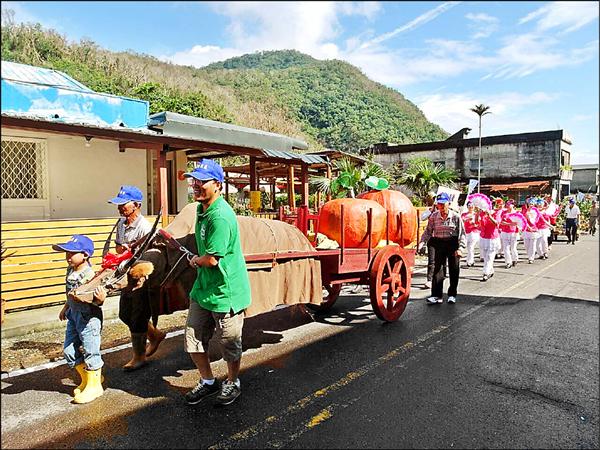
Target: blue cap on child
<point>78,243</point>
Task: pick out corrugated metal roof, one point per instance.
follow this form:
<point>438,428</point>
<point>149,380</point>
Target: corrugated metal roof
<point>180,125</point>
<point>91,126</point>
<point>308,159</point>
<point>38,75</point>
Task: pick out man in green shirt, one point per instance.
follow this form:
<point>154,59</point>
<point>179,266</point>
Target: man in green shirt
<point>221,292</point>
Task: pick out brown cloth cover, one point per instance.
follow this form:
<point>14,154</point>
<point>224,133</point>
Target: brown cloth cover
<point>288,282</point>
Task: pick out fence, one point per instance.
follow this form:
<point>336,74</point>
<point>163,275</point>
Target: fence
<point>34,274</point>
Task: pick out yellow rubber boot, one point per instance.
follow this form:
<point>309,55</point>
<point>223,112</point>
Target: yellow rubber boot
<point>93,388</point>
<point>80,368</point>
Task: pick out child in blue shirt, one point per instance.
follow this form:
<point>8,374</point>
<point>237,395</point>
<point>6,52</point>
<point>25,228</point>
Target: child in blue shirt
<point>84,320</point>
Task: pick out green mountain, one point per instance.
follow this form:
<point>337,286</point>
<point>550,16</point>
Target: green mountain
<point>326,103</point>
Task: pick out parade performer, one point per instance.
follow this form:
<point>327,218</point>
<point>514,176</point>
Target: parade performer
<point>445,231</point>
<point>509,236</point>
<point>136,310</point>
<point>553,211</point>
<point>472,232</point>
<point>221,291</point>
<point>489,243</point>
<point>84,320</point>
<point>531,233</point>
<point>544,227</point>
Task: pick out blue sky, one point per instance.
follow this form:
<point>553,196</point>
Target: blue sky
<point>534,63</point>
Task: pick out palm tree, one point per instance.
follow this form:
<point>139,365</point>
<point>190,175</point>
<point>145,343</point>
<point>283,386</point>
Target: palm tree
<point>423,177</point>
<point>350,179</point>
<point>481,110</point>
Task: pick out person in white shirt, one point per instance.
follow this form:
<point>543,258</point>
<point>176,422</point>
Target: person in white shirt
<point>572,216</point>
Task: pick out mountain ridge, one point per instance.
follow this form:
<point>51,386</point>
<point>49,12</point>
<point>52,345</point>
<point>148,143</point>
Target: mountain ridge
<point>328,103</point>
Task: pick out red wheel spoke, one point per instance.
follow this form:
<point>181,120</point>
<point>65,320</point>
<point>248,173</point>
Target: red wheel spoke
<point>388,267</point>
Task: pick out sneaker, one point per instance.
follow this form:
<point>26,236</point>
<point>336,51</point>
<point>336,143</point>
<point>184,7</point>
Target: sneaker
<point>514,263</point>
<point>229,392</point>
<point>485,278</point>
<point>531,261</point>
<point>508,266</point>
<point>434,300</point>
<point>201,391</point>
<point>451,299</point>
<point>427,285</point>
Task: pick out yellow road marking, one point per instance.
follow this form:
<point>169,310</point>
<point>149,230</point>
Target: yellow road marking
<point>326,413</point>
<point>321,417</point>
<point>514,286</point>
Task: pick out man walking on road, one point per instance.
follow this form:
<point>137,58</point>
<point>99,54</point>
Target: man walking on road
<point>572,221</point>
<point>446,233</point>
<point>221,292</point>
<point>593,217</point>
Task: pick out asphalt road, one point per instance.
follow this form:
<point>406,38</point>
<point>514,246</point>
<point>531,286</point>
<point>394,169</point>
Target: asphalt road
<point>514,364</point>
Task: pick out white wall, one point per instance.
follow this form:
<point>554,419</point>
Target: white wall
<point>81,179</point>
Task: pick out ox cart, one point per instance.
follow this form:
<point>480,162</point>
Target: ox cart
<point>386,270</point>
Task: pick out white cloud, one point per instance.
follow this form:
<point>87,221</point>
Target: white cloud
<point>413,24</point>
<point>309,27</point>
<point>22,15</point>
<point>483,24</point>
<point>201,55</point>
<point>510,111</point>
<point>528,53</point>
<point>583,117</point>
<point>565,16</point>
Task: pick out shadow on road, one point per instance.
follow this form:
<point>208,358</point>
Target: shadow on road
<point>268,390</point>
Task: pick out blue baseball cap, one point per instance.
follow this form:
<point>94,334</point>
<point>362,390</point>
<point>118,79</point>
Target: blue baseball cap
<point>207,170</point>
<point>442,198</point>
<point>77,243</point>
<point>127,194</point>
<point>571,200</point>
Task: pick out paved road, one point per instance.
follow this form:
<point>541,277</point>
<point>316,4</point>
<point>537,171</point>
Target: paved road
<point>513,364</point>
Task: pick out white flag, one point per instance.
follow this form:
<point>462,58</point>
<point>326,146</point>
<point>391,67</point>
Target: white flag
<point>472,185</point>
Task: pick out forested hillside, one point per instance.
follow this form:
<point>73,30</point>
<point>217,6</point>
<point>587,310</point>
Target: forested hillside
<point>327,103</point>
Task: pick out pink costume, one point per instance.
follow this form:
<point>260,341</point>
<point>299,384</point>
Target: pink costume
<point>531,234</point>
<point>544,231</point>
<point>472,233</point>
<point>489,244</point>
<point>508,238</point>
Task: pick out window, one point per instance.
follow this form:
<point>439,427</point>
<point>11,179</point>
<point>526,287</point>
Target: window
<point>474,164</point>
<point>24,168</point>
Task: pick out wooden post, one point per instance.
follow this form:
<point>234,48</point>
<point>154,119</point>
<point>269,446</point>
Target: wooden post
<point>255,198</point>
<point>291,197</point>
<point>253,180</point>
<point>305,192</point>
<point>273,187</point>
<point>329,176</point>
<point>227,186</point>
<point>318,201</point>
<point>164,198</point>
<point>162,188</point>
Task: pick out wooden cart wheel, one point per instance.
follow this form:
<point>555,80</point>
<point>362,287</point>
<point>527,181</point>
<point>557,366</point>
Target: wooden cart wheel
<point>333,292</point>
<point>389,281</point>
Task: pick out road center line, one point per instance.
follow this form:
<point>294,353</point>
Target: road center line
<point>526,279</point>
<point>303,403</point>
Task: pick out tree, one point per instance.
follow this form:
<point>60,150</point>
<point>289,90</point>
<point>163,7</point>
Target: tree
<point>350,179</point>
<point>481,110</point>
<point>422,177</point>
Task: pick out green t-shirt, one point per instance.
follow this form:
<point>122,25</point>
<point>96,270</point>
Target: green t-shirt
<point>226,286</point>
